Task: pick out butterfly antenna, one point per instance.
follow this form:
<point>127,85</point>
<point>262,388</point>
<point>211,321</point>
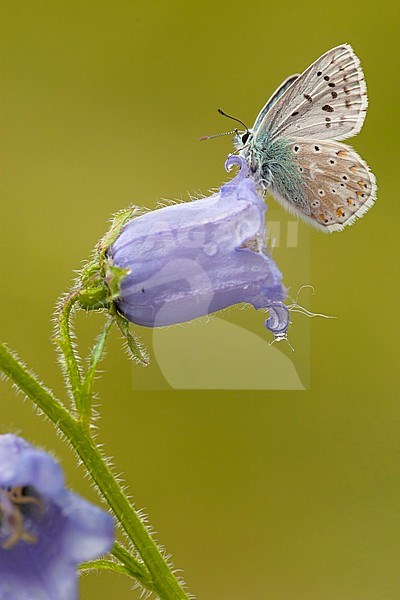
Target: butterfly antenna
<point>210,137</point>
<point>221,112</point>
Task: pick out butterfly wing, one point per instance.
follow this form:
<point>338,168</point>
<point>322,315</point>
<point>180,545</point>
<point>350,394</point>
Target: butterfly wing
<point>275,96</point>
<point>327,101</point>
<point>324,182</point>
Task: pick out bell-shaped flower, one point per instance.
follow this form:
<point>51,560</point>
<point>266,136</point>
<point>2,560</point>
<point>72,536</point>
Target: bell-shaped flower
<point>193,258</point>
<point>45,530</point>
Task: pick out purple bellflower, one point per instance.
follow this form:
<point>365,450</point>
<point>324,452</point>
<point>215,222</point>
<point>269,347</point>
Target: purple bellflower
<point>45,530</point>
<point>194,258</point>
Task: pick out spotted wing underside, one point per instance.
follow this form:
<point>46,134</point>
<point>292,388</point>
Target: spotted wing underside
<point>335,187</point>
<point>327,101</point>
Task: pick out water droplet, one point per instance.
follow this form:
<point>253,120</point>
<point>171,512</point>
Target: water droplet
<point>210,249</point>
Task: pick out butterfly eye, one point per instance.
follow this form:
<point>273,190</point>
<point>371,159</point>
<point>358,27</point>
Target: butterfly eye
<point>245,137</point>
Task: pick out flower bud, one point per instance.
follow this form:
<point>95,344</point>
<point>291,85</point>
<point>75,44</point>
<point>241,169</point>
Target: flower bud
<point>194,258</point>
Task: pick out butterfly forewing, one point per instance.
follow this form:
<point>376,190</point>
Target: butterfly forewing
<point>327,101</point>
<point>275,96</point>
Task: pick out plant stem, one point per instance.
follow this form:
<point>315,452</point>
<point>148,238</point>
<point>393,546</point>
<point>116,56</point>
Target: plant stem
<point>104,565</point>
<point>86,393</point>
<point>65,342</point>
<point>135,568</point>
<point>126,564</point>
<point>44,398</point>
<point>164,583</point>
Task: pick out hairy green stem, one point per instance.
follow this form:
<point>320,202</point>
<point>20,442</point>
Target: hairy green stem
<point>86,392</point>
<point>64,340</point>
<point>135,568</point>
<point>104,565</point>
<point>127,564</point>
<point>42,397</point>
<point>164,583</point>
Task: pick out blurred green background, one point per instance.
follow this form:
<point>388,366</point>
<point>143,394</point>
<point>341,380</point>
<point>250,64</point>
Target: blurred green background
<point>286,495</point>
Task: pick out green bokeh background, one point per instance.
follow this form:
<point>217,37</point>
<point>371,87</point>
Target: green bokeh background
<point>289,495</point>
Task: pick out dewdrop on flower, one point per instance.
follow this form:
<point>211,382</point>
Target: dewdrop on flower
<point>195,258</point>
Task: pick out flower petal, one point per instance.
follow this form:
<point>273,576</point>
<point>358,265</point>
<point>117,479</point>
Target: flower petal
<point>45,530</point>
<point>195,258</point>
<point>90,528</point>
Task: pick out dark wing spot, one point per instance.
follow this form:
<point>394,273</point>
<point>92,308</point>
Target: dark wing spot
<point>346,90</point>
<point>332,161</point>
<point>316,148</point>
<point>296,112</point>
<point>319,73</point>
<point>327,108</point>
<point>296,148</point>
<point>307,97</point>
<point>347,103</point>
<point>331,84</point>
<point>326,77</point>
<point>334,95</point>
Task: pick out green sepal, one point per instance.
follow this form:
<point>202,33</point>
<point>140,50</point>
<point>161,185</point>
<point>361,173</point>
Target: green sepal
<point>93,298</point>
<point>99,281</point>
<point>120,219</point>
<point>92,292</point>
<point>136,350</point>
<point>113,279</point>
<point>98,286</point>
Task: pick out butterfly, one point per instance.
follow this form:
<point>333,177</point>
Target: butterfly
<point>294,150</point>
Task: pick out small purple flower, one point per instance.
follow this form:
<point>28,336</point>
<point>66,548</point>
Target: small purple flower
<point>194,258</point>
<point>45,530</point>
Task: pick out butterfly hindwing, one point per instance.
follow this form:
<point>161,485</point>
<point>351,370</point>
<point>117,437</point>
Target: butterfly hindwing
<point>327,101</point>
<point>334,185</point>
